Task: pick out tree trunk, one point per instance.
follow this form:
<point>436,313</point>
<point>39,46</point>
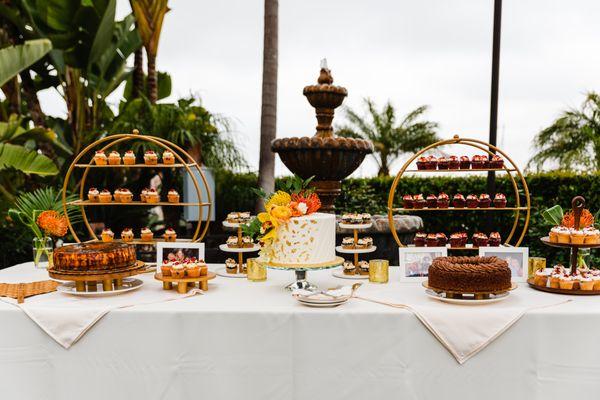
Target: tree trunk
<point>13,95</point>
<point>33,102</point>
<point>138,73</point>
<point>152,78</point>
<point>268,115</point>
<point>384,169</point>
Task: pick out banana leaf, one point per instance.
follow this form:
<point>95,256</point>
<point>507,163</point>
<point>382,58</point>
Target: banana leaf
<point>14,59</point>
<point>26,161</point>
<point>553,215</point>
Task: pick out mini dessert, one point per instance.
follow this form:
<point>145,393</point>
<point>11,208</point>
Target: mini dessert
<point>105,196</point>
<point>203,267</point>
<point>494,239</point>
<point>150,158</point>
<point>499,200</point>
<point>244,216</point>
<point>363,267</point>
<point>566,282</point>
<point>231,266</point>
<point>238,217</point>
<point>244,268</point>
<point>422,163</point>
<point>431,240</point>
<point>117,195</point>
<point>125,196</point>
<point>93,195</point>
<point>432,162</point>
<point>592,235</point>
<point>146,235</point>
<point>129,157</point>
<point>441,238</point>
<point>232,241</point>
<point>419,202</point>
<point>496,162</point>
<point>152,196</point>
<point>480,239</point>
<point>170,235</point>
<point>177,270</point>
<point>553,234</point>
<point>348,243</point>
<point>458,201</point>
<point>484,200</point>
<point>247,241</point>
<point>453,162</point>
<point>478,162</point>
<point>100,158</point>
<point>360,244</point>
<point>173,196</point>
<point>419,239</point>
<point>232,217</point>
<point>465,162</point>
<point>456,240</point>
<point>349,268</point>
<point>407,201</point>
<point>165,268</point>
<point>143,195</point>
<point>596,278</point>
<point>431,201</point>
<point>168,157</point>
<point>107,235</point>
<point>577,236</point>
<point>127,235</point>
<point>442,163</point>
<point>555,276</point>
<point>368,241</point>
<point>366,218</point>
<point>192,267</point>
<point>541,277</point>
<point>443,201</point>
<point>114,158</point>
<point>563,234</point>
<point>472,201</point>
<point>586,282</point>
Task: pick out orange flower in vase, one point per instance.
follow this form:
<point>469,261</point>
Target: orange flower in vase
<point>52,223</point>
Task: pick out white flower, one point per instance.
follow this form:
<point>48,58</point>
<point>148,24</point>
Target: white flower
<point>262,230</point>
<point>302,207</point>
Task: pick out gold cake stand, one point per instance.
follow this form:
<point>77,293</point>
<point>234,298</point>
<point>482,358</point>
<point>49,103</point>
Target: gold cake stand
<point>300,271</point>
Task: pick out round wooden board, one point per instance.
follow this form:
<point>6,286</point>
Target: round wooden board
<point>210,275</point>
<point>140,267</point>
<point>512,287</point>
<point>549,289</point>
<point>546,241</point>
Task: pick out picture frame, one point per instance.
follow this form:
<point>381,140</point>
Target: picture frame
<point>415,261</point>
<point>178,250</point>
<point>517,258</point>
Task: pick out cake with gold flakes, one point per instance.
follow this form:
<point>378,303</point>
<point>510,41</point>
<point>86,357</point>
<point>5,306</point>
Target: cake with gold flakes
<point>94,258</point>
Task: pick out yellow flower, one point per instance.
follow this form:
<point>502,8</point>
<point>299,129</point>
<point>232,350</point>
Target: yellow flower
<point>281,213</point>
<point>278,198</point>
<point>266,217</point>
<point>272,234</point>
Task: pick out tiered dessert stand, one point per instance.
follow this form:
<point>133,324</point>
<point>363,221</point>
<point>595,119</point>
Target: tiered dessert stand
<point>521,191</point>
<point>578,204</point>
<point>355,228</point>
<point>239,250</point>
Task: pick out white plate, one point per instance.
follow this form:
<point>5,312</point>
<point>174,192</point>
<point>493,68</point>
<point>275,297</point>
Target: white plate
<point>338,273</point>
<point>331,300</point>
<point>441,297</point>
<point>228,249</point>
<point>235,224</point>
<point>355,226</point>
<point>223,272</point>
<point>129,284</point>
<point>340,249</point>
<point>321,305</point>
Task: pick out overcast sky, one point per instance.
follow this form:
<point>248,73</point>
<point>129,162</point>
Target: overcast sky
<point>434,52</point>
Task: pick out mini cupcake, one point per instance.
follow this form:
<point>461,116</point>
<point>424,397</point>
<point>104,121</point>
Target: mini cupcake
<point>586,282</point>
<point>165,268</point>
<point>348,243</point>
<point>496,162</point>
<point>458,201</point>
<point>480,239</point>
<point>422,163</point>
<point>233,242</point>
<point>152,196</point>
<point>363,267</point>
<point>150,158</point>
<point>541,278</point>
<point>117,195</point>
<point>170,235</point>
<point>577,236</point>
<point>419,239</point>
<point>244,217</point>
<point>596,278</point>
<point>107,235</point>
<point>168,157</point>
<point>244,268</point>
<point>472,201</point>
<point>368,241</point>
<point>146,235</point>
<point>125,196</point>
<point>453,162</point>
<point>592,235</point>
<point>566,282</point>
<point>173,196</point>
<point>419,202</point>
<point>555,279</point>
<point>484,200</point>
<point>432,162</point>
<point>431,201</point>
<point>233,217</point>
<point>499,200</point>
<point>443,201</point>
<point>349,268</point>
<point>114,158</point>
<point>129,157</point>
<point>360,243</point>
<point>231,266</point>
<point>441,238</point>
<point>100,158</point>
<point>93,195</point>
<point>177,270</point>
<point>407,201</point>
<point>553,234</point>
<point>563,234</point>
<point>105,196</point>
<point>192,269</point>
<point>203,267</point>
<point>356,219</point>
<point>494,239</point>
<point>456,240</point>
<point>247,241</point>
<point>465,162</point>
<point>143,195</point>
<point>127,235</point>
<point>478,161</point>
<point>442,163</point>
<point>431,240</point>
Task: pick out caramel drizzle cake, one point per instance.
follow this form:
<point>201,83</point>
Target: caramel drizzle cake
<point>469,274</point>
<point>94,258</point>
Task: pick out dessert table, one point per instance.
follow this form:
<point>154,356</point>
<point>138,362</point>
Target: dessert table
<point>252,340</point>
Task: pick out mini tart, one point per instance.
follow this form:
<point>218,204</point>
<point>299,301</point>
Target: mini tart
<point>170,235</point>
<point>93,195</point>
<point>173,196</point>
<point>129,157</point>
<point>100,158</point>
<point>107,235</point>
<point>577,237</point>
<point>146,235</point>
<point>125,196</point>
<point>168,158</point>
<point>114,158</point>
<point>105,196</point>
<point>150,158</point>
<point>127,235</point>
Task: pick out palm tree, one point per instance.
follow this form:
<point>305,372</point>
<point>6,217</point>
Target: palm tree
<point>268,115</point>
<point>390,139</point>
<point>573,139</point>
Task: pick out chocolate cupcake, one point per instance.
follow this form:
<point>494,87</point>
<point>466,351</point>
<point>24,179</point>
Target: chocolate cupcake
<point>443,201</point>
<point>478,162</point>
<point>431,240</point>
<point>458,201</point>
<point>422,163</point>
<point>494,239</point>
<point>442,163</point>
<point>432,162</point>
<point>465,162</point>
<point>407,201</point>
<point>442,240</point>
<point>419,239</point>
<point>484,200</point>
<point>432,201</point>
<point>499,200</point>
<point>480,239</point>
<point>496,162</point>
<point>456,240</point>
<point>418,201</point>
<point>472,201</point>
<point>453,162</point>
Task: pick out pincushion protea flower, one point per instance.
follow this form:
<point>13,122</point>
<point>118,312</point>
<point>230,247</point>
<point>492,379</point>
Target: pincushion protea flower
<point>586,219</point>
<point>52,223</point>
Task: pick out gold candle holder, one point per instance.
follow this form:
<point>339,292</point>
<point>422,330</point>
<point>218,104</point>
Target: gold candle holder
<point>256,271</point>
<point>535,264</point>
<point>379,271</point>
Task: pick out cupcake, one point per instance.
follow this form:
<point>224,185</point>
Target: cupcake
<point>360,243</point>
<point>244,217</point>
<point>432,162</point>
<point>107,235</point>
<point>165,268</point>
<point>484,200</point>
<point>592,235</point>
<point>247,242</point>
<point>441,238</point>
<point>146,235</point>
<point>105,196</point>
<point>456,240</point>
<point>244,268</point>
<point>356,219</point>
<point>458,201</point>
<point>496,162</point>
<point>586,282</point>
<point>422,163</point>
<point>419,239</point>
<point>203,267</point>
<point>129,157</point>
<point>480,239</point>
<point>499,200</point>
<point>170,235</point>
<point>192,269</point>
<point>577,236</point>
<point>566,282</point>
<point>465,162</point>
<point>472,201</point>
<point>363,267</point>
<point>596,278</point>
<point>168,157</point>
<point>349,268</point>
<point>368,241</point>
<point>114,158</point>
<point>555,280</point>
<point>127,235</point>
<point>348,243</point>
<point>419,202</point>
<point>117,195</point>
<point>93,195</point>
<point>443,201</point>
<point>143,195</point>
<point>177,270</point>
<point>494,239</point>
<point>553,234</point>
<point>407,201</point>
<point>563,234</point>
<point>442,163</point>
<point>233,242</point>
<point>173,196</point>
<point>431,201</point>
<point>453,162</point>
<point>541,278</point>
<point>125,196</point>
<point>231,266</point>
<point>152,196</point>
<point>233,217</point>
<point>150,158</point>
<point>431,240</point>
<point>100,158</point>
<point>478,162</point>
<point>366,218</point>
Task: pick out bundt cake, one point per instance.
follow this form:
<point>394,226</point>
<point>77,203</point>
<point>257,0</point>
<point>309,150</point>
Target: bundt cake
<point>469,274</point>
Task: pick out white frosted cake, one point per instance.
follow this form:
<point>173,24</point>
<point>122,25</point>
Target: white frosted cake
<point>309,239</point>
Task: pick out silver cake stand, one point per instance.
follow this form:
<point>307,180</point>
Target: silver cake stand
<point>300,271</point>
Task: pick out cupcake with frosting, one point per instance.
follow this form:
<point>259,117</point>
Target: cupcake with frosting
<point>420,238</point>
<point>499,200</point>
<point>168,157</point>
<point>165,268</point>
<point>441,238</point>
<point>496,162</point>
<point>592,235</point>
<point>170,235</point>
<point>419,201</point>
<point>458,201</point>
<point>566,282</point>
<point>146,234</point>
<point>363,267</point>
<point>100,158</point>
<point>177,270</point>
<point>105,196</point>
<point>150,158</point>
<point>93,195</point>
<point>152,196</point>
<point>577,236</point>
<point>553,234</point>
<point>431,201</point>
<point>563,234</point>
<point>472,201</point>
<point>541,277</point>
<point>431,240</point>
<point>231,266</point>
<point>442,163</point>
<point>443,200</point>
<point>114,158</point>
<point>348,243</point>
<point>596,278</point>
<point>484,200</point>
<point>586,282</point>
<point>173,196</point>
<point>129,157</point>
<point>456,240</point>
<point>349,268</point>
<point>453,162</point>
<point>127,235</point>
<point>407,201</point>
<point>422,163</point>
<point>107,235</point>
<point>125,196</point>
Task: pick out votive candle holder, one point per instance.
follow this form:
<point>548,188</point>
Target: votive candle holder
<point>256,271</point>
<point>379,271</point>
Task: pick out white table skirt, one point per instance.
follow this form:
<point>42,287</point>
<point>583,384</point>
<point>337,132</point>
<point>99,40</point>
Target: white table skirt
<point>245,340</point>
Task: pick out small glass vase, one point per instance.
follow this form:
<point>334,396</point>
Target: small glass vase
<point>42,252</point>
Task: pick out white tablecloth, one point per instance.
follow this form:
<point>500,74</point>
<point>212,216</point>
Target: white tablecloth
<point>245,340</point>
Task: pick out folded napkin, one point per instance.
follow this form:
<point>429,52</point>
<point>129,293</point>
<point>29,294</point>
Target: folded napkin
<point>66,318</point>
<point>465,330</point>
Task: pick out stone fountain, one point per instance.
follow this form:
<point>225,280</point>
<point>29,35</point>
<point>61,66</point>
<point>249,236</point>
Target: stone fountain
<point>325,156</point>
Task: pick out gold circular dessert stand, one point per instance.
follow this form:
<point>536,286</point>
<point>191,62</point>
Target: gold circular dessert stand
<point>89,282</point>
<point>184,284</point>
<point>476,294</point>
<point>300,271</point>
<point>183,160</point>
<point>490,150</point>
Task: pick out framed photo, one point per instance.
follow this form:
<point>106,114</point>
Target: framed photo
<point>516,257</point>
<point>415,262</point>
<point>177,251</point>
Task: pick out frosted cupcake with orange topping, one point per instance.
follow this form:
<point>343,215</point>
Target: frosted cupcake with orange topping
<point>93,195</point>
<point>170,235</point>
<point>107,235</point>
<point>168,157</point>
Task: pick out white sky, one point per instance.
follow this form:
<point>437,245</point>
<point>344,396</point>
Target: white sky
<point>435,52</point>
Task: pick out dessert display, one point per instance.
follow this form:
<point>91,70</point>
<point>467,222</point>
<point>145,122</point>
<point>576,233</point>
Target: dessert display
<point>170,235</point>
<point>127,235</point>
<point>499,200</point>
<point>456,240</point>
<point>146,235</point>
<point>442,200</point>
<point>356,218</point>
<point>239,243</point>
<point>469,274</point>
<point>168,157</point>
<point>173,196</point>
<point>93,195</point>
<point>561,278</point>
<point>567,233</point>
<point>105,196</point>
<point>463,162</point>
<point>129,157</point>
<point>239,217</point>
<point>94,258</point>
<point>188,268</point>
<point>107,235</point>
<point>151,196</point>
<point>150,158</point>
<point>114,158</point>
<point>100,158</point>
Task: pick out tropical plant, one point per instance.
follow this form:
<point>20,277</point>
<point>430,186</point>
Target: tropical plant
<point>390,138</point>
<point>14,59</point>
<point>572,142</point>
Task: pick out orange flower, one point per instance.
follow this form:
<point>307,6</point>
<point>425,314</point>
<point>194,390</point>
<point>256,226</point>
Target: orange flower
<point>52,223</point>
<point>586,219</point>
<point>311,200</point>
